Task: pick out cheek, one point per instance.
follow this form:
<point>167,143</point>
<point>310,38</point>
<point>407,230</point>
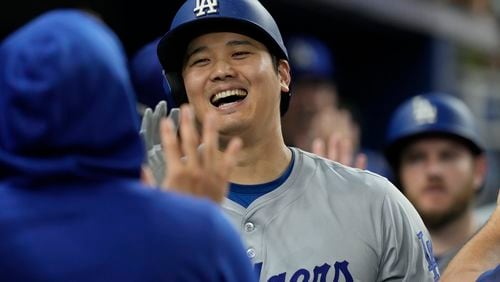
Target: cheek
<point>464,165</point>
<point>460,166</point>
<point>191,81</point>
<point>460,173</point>
<point>410,178</point>
<point>193,84</point>
<point>264,71</point>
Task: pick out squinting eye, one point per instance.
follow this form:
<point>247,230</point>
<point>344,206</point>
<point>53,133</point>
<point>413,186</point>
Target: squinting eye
<point>413,158</point>
<point>449,155</point>
<point>199,62</point>
<point>241,54</point>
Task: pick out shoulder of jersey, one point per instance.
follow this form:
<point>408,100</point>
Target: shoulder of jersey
<point>338,166</point>
<point>365,178</point>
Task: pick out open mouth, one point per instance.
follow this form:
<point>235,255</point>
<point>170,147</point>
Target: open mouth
<point>228,97</point>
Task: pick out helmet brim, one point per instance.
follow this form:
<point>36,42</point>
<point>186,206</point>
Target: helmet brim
<point>172,47</point>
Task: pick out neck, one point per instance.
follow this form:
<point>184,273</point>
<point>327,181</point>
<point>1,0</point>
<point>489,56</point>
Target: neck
<point>454,234</point>
<point>261,161</point>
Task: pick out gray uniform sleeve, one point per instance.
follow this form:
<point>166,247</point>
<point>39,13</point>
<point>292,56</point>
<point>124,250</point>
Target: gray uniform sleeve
<point>407,255</point>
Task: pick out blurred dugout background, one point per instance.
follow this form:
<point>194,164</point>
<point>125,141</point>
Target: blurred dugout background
<point>384,50</point>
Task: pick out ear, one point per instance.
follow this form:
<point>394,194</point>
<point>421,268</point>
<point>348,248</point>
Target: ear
<point>284,75</point>
<point>480,169</point>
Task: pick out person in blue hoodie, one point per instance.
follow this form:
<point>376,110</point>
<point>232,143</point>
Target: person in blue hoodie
<point>72,205</point>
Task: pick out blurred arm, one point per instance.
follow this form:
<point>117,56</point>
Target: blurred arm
<point>480,254</point>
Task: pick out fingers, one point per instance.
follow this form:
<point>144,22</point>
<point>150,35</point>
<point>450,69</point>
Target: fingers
<point>171,148</point>
<point>318,147</point>
<point>361,161</point>
<point>174,115</point>
<point>189,137</point>
<point>161,108</point>
<point>159,113</point>
<point>197,172</point>
<point>147,176</point>
<point>340,150</point>
<point>146,128</point>
<point>224,170</point>
<point>345,151</point>
<point>210,141</point>
<point>334,149</point>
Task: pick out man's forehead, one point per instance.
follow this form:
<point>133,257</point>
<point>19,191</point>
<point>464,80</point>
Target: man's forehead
<point>436,142</point>
<point>220,38</point>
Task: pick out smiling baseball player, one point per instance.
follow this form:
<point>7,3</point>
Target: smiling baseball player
<point>302,217</point>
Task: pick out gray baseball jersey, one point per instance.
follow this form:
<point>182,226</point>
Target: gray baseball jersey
<point>329,222</point>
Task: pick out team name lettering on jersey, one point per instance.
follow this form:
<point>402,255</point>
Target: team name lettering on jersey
<point>429,256</point>
<point>204,7</point>
<point>318,274</point>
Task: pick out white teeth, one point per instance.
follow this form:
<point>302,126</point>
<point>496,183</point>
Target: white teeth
<point>227,93</point>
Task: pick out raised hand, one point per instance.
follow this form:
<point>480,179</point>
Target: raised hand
<point>339,149</point>
<point>197,170</point>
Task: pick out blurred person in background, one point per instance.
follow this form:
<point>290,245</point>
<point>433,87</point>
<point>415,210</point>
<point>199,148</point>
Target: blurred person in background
<point>147,78</point>
<point>314,88</point>
<point>73,208</point>
<point>314,115</point>
<point>318,120</point>
<point>478,7</point>
<point>153,104</point>
<point>438,160</point>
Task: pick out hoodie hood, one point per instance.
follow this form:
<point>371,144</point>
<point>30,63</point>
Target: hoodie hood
<point>67,108</point>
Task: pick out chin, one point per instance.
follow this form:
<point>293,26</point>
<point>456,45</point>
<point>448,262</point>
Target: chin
<point>438,218</point>
<point>229,129</point>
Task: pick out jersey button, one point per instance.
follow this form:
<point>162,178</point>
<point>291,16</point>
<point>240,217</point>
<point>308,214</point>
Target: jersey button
<point>249,227</point>
<point>251,253</point>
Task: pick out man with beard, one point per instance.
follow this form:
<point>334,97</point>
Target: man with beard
<point>438,161</point>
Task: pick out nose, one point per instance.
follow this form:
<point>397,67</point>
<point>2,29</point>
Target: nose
<point>222,70</point>
<point>434,168</point>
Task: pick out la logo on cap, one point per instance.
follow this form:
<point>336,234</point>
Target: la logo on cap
<point>204,7</point>
<point>423,111</point>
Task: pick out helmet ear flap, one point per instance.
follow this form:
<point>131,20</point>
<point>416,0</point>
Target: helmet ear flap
<point>177,93</point>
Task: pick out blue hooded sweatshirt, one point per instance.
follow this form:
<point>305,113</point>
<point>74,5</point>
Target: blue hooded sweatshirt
<point>72,207</point>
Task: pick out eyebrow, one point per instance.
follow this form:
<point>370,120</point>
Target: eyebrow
<point>239,42</point>
<point>229,43</point>
<point>194,51</point>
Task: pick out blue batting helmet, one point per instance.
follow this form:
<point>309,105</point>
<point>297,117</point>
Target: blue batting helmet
<point>197,17</point>
<point>431,114</point>
<point>310,57</point>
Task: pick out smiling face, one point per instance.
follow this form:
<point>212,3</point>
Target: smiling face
<point>235,76</point>
<point>440,177</point>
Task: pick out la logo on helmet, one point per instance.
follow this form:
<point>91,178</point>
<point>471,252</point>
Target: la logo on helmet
<point>423,111</point>
<point>204,7</point>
